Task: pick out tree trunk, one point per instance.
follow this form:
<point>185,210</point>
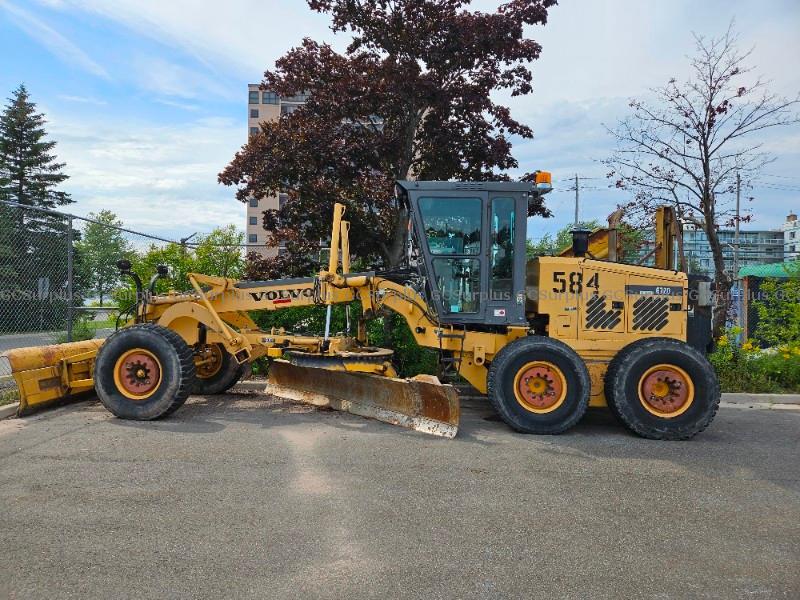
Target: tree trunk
<point>721,281</point>
<point>397,246</point>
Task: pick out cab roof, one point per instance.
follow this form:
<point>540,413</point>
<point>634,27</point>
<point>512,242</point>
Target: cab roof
<point>454,186</point>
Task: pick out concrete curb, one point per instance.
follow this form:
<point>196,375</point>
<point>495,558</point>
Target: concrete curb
<point>743,398</point>
<point>9,410</point>
<point>759,406</point>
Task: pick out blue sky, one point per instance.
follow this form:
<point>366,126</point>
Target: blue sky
<point>147,99</point>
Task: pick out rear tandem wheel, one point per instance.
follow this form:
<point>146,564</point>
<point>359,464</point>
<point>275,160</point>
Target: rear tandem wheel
<point>539,385</point>
<point>217,370</point>
<point>662,389</point>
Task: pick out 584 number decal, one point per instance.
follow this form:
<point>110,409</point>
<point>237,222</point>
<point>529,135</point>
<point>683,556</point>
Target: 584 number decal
<point>573,282</point>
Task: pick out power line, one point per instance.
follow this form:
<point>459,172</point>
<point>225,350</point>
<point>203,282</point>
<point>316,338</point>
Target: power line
<point>779,176</point>
<point>777,186</point>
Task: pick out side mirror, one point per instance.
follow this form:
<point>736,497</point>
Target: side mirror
<point>161,272</point>
<point>124,266</point>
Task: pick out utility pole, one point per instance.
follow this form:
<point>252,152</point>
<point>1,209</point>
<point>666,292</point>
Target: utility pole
<point>736,253</point>
<point>576,200</point>
<point>736,234</point>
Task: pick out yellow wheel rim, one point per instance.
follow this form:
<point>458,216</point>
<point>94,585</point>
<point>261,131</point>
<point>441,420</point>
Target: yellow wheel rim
<point>540,387</point>
<point>666,391</point>
<point>208,361</point>
<point>137,374</point>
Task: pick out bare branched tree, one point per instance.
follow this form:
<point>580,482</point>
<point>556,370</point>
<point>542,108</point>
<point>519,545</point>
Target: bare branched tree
<point>687,144</point>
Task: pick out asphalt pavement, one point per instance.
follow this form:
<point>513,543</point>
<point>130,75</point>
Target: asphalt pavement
<point>248,496</point>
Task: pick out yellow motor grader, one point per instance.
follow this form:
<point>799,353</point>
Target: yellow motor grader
<point>543,338</point>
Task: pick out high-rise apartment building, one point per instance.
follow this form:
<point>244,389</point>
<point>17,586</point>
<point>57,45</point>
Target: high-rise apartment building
<point>791,238</point>
<point>756,247</point>
<point>264,106</point>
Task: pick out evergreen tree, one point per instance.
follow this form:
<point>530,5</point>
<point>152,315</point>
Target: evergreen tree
<point>33,244</point>
<point>29,172</point>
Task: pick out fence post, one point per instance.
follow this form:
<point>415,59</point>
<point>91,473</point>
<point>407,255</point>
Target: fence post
<point>69,278</point>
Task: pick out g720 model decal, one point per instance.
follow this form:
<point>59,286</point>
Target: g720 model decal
<point>653,290</point>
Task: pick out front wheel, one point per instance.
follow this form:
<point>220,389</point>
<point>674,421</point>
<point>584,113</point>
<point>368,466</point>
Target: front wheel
<point>144,372</point>
<point>539,385</point>
<point>662,389</point>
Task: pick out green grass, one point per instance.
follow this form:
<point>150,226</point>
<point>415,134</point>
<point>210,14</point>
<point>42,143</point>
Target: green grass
<point>8,395</point>
<point>108,324</point>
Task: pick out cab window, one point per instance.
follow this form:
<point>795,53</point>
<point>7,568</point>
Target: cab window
<point>452,225</point>
<point>502,248</point>
<point>459,283</point>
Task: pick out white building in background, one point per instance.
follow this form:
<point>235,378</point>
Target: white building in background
<point>756,247</point>
<point>791,238</point>
<point>264,106</point>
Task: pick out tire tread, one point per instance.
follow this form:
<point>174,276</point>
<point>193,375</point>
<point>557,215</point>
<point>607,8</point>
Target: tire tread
<point>509,353</point>
<point>614,390</point>
<point>186,359</point>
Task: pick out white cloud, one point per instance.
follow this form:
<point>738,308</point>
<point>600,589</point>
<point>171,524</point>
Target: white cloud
<point>82,100</point>
<point>595,56</point>
<point>180,105</point>
<point>238,36</point>
<point>158,180</point>
<point>62,48</point>
<point>163,77</point>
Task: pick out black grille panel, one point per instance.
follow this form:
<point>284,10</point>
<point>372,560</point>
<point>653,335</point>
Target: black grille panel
<point>650,313</point>
<point>598,316</point>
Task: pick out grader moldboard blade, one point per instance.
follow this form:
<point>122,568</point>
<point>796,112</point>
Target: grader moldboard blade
<point>421,403</point>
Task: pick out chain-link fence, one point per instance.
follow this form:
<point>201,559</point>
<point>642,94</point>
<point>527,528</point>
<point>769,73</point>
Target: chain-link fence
<point>58,276</point>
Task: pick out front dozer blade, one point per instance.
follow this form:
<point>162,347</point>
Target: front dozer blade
<point>47,374</point>
<point>421,403</point>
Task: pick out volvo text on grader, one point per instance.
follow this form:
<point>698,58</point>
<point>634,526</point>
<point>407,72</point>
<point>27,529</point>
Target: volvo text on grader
<point>543,338</point>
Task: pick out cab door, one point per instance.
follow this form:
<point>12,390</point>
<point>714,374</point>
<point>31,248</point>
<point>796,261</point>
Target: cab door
<point>453,234</point>
<point>505,251</point>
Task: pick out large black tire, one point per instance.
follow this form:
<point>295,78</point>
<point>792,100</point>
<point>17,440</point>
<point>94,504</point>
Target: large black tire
<point>512,361</point>
<point>224,378</point>
<point>144,345</point>
<point>625,394</point>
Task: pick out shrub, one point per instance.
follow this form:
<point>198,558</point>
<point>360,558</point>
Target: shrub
<point>778,311</point>
<point>81,330</point>
<point>747,368</point>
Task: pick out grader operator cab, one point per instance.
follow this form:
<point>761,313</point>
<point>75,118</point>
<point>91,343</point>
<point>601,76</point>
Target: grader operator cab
<point>544,338</point>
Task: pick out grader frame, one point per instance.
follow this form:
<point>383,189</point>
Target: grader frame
<point>569,334</point>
